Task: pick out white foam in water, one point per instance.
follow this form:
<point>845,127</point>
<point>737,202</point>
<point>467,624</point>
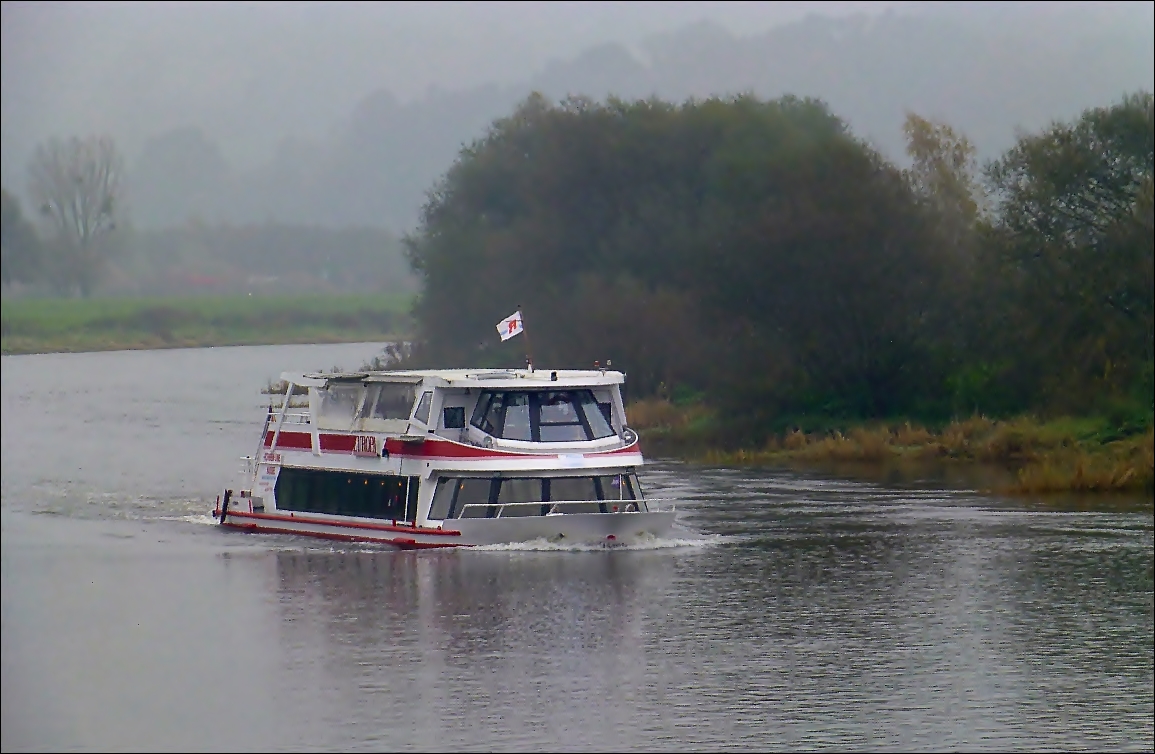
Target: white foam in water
<point>647,543</point>
<point>197,518</point>
<point>533,545</point>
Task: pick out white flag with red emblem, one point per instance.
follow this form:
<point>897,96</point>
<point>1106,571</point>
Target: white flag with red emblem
<point>510,326</point>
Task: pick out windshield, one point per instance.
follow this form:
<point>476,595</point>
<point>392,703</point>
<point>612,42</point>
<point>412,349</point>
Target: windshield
<point>541,415</point>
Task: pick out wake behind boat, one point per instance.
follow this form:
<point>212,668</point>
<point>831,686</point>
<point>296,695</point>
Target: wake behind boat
<point>448,458</point>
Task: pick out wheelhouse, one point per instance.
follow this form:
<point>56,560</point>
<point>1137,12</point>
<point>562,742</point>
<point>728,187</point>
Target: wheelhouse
<point>543,415</point>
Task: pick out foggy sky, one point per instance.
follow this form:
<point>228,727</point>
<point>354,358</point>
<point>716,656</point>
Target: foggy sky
<point>252,74</point>
<point>136,69</point>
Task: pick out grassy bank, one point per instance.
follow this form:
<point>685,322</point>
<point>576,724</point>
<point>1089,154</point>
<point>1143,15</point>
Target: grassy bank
<point>1090,454</point>
<point>54,325</point>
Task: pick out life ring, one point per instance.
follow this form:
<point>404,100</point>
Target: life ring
<point>631,507</point>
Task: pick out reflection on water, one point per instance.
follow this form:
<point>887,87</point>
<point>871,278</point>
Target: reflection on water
<point>794,610</point>
<point>530,645</point>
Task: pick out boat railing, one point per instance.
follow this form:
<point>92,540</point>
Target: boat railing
<point>561,506</point>
<point>658,505</point>
<point>296,417</point>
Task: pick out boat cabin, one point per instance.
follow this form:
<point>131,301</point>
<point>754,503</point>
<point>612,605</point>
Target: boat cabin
<point>516,410</point>
<point>448,458</point>
<point>421,446</point>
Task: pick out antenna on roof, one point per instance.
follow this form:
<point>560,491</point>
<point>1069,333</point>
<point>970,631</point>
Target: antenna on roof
<point>525,332</point>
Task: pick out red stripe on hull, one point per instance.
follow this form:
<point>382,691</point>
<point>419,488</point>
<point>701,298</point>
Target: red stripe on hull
<point>439,448</point>
<point>338,443</point>
<point>402,543</point>
<point>431,448</point>
<point>427,449</point>
<point>343,524</point>
<point>291,440</point>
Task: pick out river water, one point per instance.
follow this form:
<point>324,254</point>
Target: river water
<point>791,612</point>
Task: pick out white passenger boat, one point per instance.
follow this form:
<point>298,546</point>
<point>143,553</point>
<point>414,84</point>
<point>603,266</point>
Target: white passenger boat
<point>447,458</point>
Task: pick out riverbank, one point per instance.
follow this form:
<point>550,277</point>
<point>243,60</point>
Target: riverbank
<point>1023,455</point>
<point>37,325</point>
<point>1017,456</point>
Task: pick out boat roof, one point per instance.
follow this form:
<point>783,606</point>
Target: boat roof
<point>481,378</point>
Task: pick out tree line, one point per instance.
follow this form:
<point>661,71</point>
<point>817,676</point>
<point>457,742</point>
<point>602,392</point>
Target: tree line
<point>759,254</point>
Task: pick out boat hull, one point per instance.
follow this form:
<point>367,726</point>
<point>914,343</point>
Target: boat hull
<point>569,528</point>
<point>606,529</point>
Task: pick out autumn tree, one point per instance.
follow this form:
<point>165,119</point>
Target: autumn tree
<point>946,179</point>
<point>944,171</point>
<point>76,187</point>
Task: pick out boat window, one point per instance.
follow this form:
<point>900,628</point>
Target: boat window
<point>609,487</point>
<point>480,412</point>
<point>607,410</point>
<point>615,487</point>
<point>472,491</point>
<point>492,420</point>
<point>516,425</point>
<point>442,498</point>
<point>526,490</point>
<point>395,401</point>
<point>558,418</point>
<point>345,494</point>
<point>558,408</point>
<point>453,417</point>
<point>339,401</point>
<point>541,415</point>
<point>572,488</point>
<point>579,494</point>
<point>599,424</point>
<point>422,412</point>
<point>372,393</point>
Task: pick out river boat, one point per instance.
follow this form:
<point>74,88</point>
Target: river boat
<point>448,458</point>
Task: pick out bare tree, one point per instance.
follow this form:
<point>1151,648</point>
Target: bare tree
<point>76,185</point>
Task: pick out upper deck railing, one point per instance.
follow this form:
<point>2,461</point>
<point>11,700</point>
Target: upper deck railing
<point>568,506</point>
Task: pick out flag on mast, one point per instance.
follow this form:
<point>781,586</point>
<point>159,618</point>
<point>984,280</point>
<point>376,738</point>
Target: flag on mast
<point>510,326</point>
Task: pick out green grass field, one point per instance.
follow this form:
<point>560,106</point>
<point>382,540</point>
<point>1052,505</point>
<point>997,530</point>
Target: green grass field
<point>44,325</point>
